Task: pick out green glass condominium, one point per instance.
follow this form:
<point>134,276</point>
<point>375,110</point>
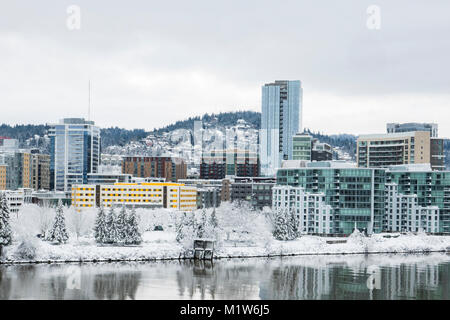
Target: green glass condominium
<point>355,194</point>
<point>399,198</point>
<point>432,189</point>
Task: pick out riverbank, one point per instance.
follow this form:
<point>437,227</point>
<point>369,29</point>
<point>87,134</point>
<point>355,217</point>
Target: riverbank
<point>162,246</point>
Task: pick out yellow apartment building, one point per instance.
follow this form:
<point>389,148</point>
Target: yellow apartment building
<point>141,195</point>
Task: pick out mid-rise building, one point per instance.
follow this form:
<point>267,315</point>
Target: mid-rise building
<point>218,164</point>
<point>410,127</point>
<point>170,168</point>
<point>17,198</point>
<point>429,189</point>
<point>46,198</point>
<point>281,119</point>
<point>384,150</point>
<point>255,190</point>
<point>208,191</point>
<point>208,197</point>
<point>3,171</point>
<point>17,170</point>
<point>307,148</point>
<point>143,195</point>
<point>41,171</point>
<point>108,178</point>
<point>74,151</point>
<point>436,144</point>
<point>403,213</point>
<point>314,215</point>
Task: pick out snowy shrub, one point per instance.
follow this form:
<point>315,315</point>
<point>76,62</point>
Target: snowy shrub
<point>238,222</point>
<point>27,248</point>
<point>80,223</point>
<point>32,220</point>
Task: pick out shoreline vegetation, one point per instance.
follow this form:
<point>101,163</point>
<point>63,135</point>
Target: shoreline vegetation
<point>61,234</point>
<point>161,246</point>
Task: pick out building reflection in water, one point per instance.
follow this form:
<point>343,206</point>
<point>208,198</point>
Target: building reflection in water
<point>397,277</point>
<point>312,277</point>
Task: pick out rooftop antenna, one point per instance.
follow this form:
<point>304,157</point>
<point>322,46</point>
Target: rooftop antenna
<point>89,101</point>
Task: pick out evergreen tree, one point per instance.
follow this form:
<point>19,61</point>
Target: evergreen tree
<point>111,226</point>
<point>281,230</point>
<point>121,224</point>
<point>213,220</point>
<point>192,223</point>
<point>58,233</point>
<point>5,227</point>
<point>181,228</point>
<point>133,236</point>
<point>100,230</point>
<point>202,226</point>
<point>293,225</point>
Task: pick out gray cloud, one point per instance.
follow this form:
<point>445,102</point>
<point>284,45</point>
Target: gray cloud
<point>155,62</point>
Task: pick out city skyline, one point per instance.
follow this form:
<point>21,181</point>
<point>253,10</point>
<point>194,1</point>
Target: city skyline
<point>355,79</point>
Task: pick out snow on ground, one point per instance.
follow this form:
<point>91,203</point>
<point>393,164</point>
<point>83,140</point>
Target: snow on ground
<point>162,245</point>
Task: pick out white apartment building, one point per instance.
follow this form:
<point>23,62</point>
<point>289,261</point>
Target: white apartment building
<point>17,198</point>
<point>313,214</point>
<point>404,214</point>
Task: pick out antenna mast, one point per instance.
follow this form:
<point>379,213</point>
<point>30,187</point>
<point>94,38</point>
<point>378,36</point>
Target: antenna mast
<point>89,101</point>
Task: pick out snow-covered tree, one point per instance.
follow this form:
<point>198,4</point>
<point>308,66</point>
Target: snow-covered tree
<point>5,227</point>
<point>293,225</point>
<point>133,236</point>
<point>121,225</point>
<point>213,219</point>
<point>100,228</point>
<point>58,232</point>
<point>111,226</point>
<point>180,228</point>
<point>201,229</point>
<point>281,228</point>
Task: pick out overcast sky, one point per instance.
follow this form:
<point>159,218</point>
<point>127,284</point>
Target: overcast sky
<point>154,62</point>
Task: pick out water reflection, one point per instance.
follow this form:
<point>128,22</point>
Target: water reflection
<point>320,277</point>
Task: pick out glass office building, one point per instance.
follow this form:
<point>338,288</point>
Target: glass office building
<point>75,152</point>
<point>281,119</point>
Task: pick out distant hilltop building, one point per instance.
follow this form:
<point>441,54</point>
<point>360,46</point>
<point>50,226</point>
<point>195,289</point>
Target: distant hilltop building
<point>281,119</point>
<point>75,152</point>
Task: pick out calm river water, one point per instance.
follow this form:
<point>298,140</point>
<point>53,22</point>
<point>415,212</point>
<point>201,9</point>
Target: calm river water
<point>308,277</point>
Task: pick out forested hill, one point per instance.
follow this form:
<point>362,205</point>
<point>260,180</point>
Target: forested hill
<point>225,119</point>
<point>23,132</point>
<point>121,137</point>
